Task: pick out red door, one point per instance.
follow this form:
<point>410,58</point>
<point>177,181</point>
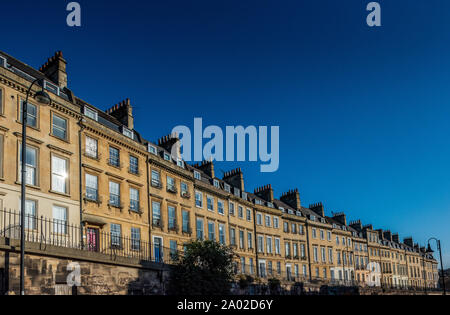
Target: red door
<point>92,238</point>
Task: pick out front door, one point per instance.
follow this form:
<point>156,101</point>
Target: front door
<point>158,249</point>
<point>92,239</point>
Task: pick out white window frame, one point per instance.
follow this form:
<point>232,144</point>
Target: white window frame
<point>127,132</point>
<point>89,111</point>
<point>276,222</point>
<point>221,202</point>
<point>152,149</point>
<point>60,225</point>
<point>3,61</point>
<point>87,148</point>
<point>201,200</point>
<point>46,84</point>
<point>64,176</point>
<point>209,198</point>
<point>197,175</point>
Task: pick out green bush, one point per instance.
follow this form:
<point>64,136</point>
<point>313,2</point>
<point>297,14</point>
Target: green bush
<point>205,268</point>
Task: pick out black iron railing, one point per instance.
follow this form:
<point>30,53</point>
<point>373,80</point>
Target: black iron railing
<point>60,233</point>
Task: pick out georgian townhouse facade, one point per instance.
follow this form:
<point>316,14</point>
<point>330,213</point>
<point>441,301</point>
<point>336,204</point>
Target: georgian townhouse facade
<point>114,177</point>
<point>93,169</point>
<point>52,145</point>
<point>344,269</point>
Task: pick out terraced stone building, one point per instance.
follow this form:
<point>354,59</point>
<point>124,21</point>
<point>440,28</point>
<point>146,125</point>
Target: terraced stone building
<point>91,172</point>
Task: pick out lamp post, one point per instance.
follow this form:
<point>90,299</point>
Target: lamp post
<point>430,251</point>
<point>43,98</point>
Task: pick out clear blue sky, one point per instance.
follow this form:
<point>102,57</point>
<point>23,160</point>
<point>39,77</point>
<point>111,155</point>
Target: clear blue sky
<point>363,113</point>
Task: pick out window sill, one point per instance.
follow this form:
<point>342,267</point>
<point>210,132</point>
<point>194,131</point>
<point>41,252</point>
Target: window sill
<point>59,193</point>
<point>32,127</point>
<point>87,200</point>
<point>60,139</point>
<point>138,174</point>
<point>29,186</point>
<point>95,158</point>
<point>115,166</point>
<point>115,207</point>
<point>139,212</point>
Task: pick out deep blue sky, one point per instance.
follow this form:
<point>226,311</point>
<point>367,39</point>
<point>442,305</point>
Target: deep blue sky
<point>363,112</point>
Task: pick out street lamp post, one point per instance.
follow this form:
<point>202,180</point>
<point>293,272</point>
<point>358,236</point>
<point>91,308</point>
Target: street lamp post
<point>429,250</point>
<point>43,98</point>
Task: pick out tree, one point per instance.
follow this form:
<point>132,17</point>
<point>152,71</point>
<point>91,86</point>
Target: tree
<point>205,268</point>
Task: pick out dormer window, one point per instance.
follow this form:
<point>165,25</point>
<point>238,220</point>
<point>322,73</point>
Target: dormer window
<point>270,205</point>
<point>197,175</point>
<point>290,211</point>
<point>344,228</point>
<point>2,62</point>
<point>258,202</point>
<point>180,163</point>
<point>216,183</point>
<point>51,87</point>
<point>152,149</point>
<point>237,192</point>
<point>334,226</point>
<point>127,132</point>
<point>244,195</point>
<point>92,114</point>
<point>323,220</point>
<point>298,213</point>
<point>281,208</point>
<point>167,157</point>
<point>312,217</point>
<point>227,187</point>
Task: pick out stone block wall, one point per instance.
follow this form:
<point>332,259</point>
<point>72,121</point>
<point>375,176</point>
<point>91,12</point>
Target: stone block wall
<point>46,274</point>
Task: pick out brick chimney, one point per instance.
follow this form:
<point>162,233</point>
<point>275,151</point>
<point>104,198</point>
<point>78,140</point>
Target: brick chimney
<point>123,112</point>
<point>292,198</point>
<point>387,235</point>
<point>207,167</point>
<point>318,208</point>
<point>408,241</point>
<point>368,227</point>
<point>340,217</point>
<point>168,142</point>
<point>396,238</point>
<point>235,178</point>
<point>357,225</point>
<point>55,69</point>
<point>265,192</point>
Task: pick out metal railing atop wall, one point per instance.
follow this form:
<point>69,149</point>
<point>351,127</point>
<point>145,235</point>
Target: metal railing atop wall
<point>59,233</point>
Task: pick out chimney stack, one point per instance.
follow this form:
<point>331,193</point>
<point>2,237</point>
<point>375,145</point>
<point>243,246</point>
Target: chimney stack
<point>396,238</point>
<point>123,112</point>
<point>388,235</point>
<point>357,225</point>
<point>235,178</point>
<point>265,192</point>
<point>341,218</point>
<point>318,208</point>
<point>292,198</point>
<point>207,167</point>
<point>409,241</point>
<point>167,142</point>
<point>55,69</point>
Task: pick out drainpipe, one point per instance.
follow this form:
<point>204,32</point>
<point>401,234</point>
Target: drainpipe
<point>149,209</point>
<point>256,243</point>
<point>309,251</point>
<point>82,127</point>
